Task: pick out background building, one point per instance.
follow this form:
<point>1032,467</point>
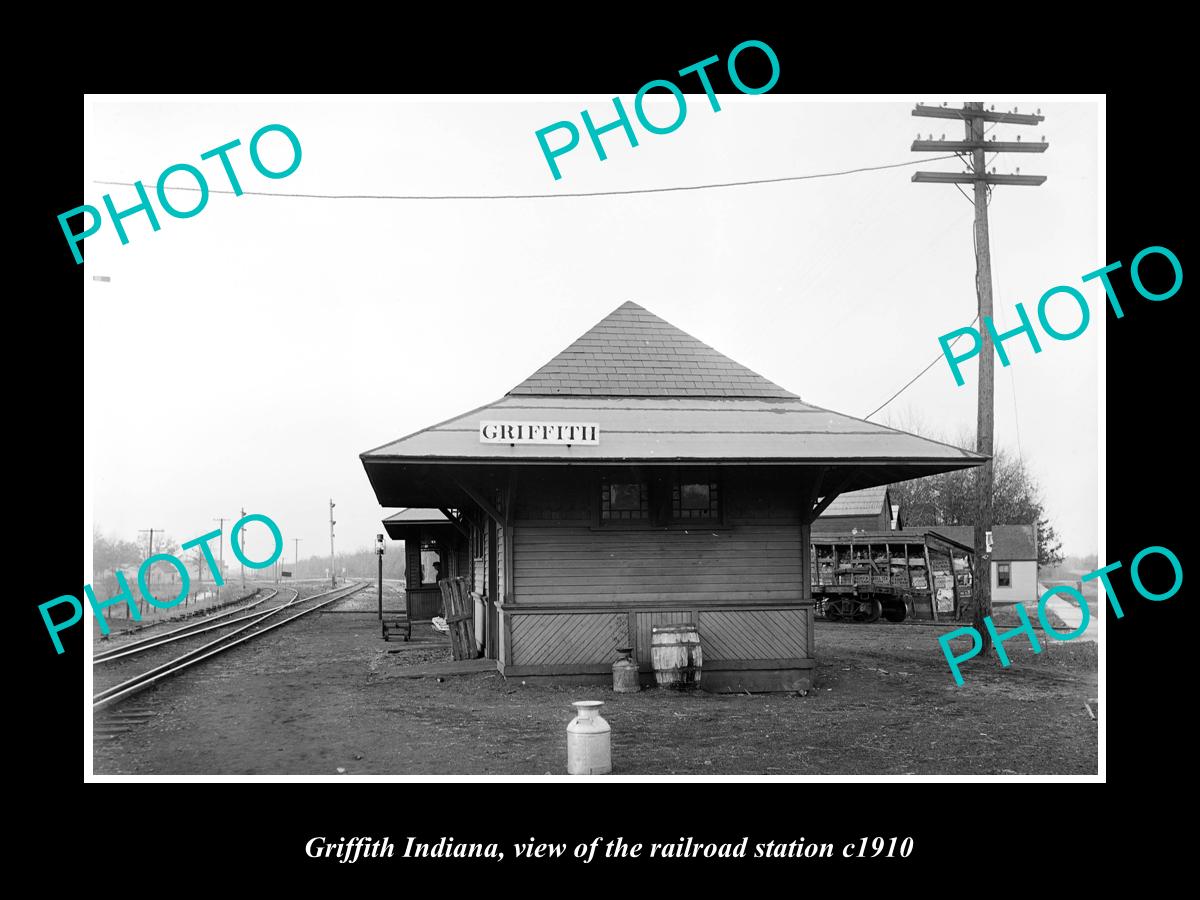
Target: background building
<point>866,510</point>
<point>1014,559</point>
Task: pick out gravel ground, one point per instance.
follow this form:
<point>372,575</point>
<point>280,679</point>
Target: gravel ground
<point>324,695</point>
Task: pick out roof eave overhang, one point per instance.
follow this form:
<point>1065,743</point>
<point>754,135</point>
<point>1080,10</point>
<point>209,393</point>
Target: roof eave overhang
<point>437,481</point>
<point>963,463</point>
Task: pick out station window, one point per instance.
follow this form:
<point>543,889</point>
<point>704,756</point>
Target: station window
<point>432,567</point>
<point>478,525</point>
<point>695,495</point>
<point>1004,574</point>
<point>624,499</point>
<point>664,499</point>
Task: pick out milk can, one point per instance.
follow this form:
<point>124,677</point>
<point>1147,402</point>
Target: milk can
<point>625,673</point>
<point>589,751</point>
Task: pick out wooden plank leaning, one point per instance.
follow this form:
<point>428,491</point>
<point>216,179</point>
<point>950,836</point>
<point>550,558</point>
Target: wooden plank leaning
<point>460,616</point>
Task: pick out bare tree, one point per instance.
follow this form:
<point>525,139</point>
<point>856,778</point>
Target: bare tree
<point>949,498</point>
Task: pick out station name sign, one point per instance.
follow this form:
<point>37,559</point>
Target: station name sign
<point>539,433</point>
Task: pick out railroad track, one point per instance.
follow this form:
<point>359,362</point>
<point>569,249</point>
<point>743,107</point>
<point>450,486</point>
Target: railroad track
<point>253,628</point>
<point>202,613</point>
<point>208,623</point>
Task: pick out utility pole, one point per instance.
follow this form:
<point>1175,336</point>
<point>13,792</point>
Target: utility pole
<point>150,543</point>
<point>221,563</point>
<point>973,116</point>
<point>243,552</point>
<point>296,558</point>
<point>332,570</point>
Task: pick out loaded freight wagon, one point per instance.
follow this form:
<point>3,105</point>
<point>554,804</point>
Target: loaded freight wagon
<point>861,576</point>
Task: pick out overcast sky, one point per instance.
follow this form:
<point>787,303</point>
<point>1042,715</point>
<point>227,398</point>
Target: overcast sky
<point>247,355</point>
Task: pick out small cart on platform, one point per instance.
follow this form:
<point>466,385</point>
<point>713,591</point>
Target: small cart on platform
<point>897,575</point>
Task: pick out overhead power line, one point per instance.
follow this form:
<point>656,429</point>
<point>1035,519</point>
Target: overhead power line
<point>664,190</point>
<point>918,375</point>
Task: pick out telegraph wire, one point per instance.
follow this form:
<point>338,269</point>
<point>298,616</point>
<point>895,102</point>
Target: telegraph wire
<point>688,187</point>
<point>940,355</point>
<point>975,246</point>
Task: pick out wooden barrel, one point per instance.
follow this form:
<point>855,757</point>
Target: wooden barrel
<point>675,654</point>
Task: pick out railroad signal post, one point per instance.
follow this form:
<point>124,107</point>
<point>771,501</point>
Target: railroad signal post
<point>973,117</point>
<point>379,553</point>
<point>332,568</point>
<point>243,551</point>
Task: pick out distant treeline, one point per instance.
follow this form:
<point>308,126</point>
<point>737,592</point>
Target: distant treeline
<point>110,552</point>
<point>357,564</point>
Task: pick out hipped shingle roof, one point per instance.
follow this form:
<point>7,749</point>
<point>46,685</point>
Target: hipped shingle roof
<point>633,353</point>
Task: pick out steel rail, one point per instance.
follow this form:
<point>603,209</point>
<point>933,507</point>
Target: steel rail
<point>257,618</point>
<point>190,658</point>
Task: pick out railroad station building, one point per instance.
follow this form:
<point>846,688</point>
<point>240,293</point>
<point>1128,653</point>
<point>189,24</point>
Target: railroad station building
<point>642,478</point>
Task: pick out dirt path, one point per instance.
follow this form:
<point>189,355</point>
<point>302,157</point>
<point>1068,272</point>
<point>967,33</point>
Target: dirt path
<point>324,695</point>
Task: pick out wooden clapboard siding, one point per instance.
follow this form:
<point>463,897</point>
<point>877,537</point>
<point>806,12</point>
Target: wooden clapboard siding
<point>460,559</point>
<point>412,552</point>
<point>754,634</point>
<point>561,556</point>
<point>573,563</point>
<point>551,640</point>
<point>424,603</point>
<point>644,621</point>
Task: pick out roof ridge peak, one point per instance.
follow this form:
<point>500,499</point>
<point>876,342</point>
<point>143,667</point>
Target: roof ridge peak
<point>632,352</point>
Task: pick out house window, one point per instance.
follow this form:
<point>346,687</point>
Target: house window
<point>1004,574</point>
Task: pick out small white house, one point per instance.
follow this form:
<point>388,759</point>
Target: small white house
<point>1014,559</point>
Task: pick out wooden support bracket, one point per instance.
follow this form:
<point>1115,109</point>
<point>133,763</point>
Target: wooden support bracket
<point>482,501</point>
<point>455,521</point>
<point>831,493</point>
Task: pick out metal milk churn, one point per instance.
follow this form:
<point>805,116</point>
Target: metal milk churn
<point>589,750</point>
<point>625,673</point>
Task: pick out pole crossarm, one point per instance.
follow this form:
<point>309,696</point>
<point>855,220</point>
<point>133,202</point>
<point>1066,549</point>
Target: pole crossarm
<point>988,146</point>
<point>952,112</point>
<point>956,178</point>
